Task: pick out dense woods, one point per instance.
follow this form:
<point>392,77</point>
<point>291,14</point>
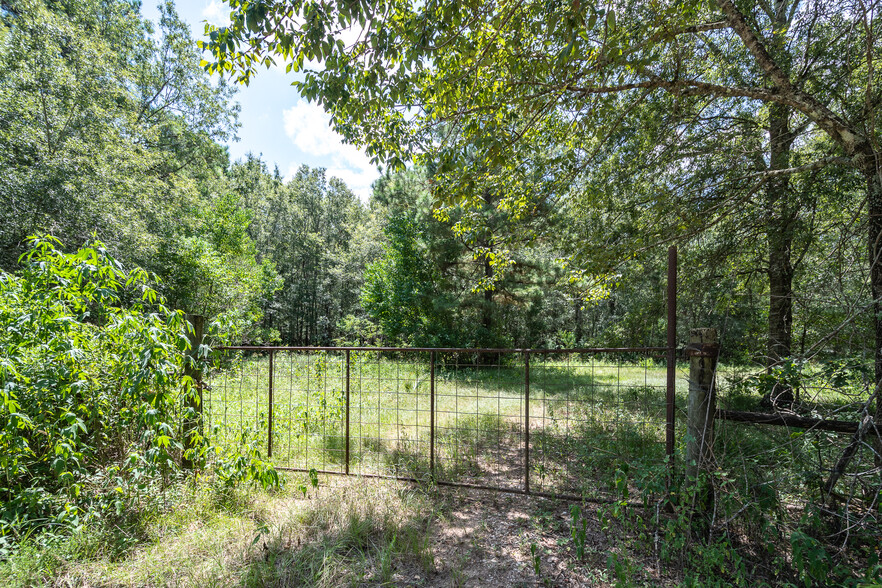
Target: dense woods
<point>539,158</point>
<point>112,131</point>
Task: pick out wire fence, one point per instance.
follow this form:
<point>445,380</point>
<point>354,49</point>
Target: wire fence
<point>799,449</point>
<point>529,421</point>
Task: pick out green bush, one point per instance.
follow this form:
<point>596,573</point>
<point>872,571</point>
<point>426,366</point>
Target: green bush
<point>92,392</point>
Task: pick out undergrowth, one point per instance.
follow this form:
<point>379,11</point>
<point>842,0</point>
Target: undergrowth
<point>98,409</point>
<point>210,534</point>
<point>716,536</point>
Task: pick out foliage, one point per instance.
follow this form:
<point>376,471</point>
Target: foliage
<point>463,276</point>
<point>806,383</point>
<point>104,127</point>
<point>324,410</point>
<point>314,232</point>
<point>216,273</point>
<point>399,292</point>
<point>713,124</point>
<point>357,331</point>
<point>244,463</point>
<point>94,396</point>
<point>749,537</point>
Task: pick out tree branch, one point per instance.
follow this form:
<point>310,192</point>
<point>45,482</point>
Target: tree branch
<point>835,126</point>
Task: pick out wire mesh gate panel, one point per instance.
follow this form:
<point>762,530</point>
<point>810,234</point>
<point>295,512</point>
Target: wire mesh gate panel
<point>547,422</point>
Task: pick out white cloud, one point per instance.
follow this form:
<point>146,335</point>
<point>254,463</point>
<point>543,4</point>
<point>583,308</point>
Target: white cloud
<point>216,13</point>
<point>308,127</point>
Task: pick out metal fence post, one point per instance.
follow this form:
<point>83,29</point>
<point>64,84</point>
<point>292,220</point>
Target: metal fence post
<point>527,422</point>
<point>432,415</point>
<point>269,433</point>
<point>347,412</point>
<point>670,396</point>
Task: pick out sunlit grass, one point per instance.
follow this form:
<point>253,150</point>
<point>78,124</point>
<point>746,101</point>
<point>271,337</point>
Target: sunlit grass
<point>338,535</point>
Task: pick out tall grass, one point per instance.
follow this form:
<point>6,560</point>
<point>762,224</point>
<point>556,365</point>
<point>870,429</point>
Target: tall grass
<point>340,535</point>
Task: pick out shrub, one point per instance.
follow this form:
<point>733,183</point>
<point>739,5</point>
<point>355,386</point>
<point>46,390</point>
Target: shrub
<point>92,392</point>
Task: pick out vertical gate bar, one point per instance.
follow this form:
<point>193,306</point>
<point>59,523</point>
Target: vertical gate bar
<point>269,435</point>
<point>347,412</point>
<point>527,421</point>
<point>432,414</point>
<point>671,355</point>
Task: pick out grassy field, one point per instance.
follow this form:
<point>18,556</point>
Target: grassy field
<point>597,429</point>
<point>587,414</point>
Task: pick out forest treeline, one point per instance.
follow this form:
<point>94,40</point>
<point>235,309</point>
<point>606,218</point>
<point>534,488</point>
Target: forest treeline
<point>111,130</point>
<point>114,130</point>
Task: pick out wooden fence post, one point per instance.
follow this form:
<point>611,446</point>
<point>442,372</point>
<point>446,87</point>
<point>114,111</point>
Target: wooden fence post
<point>702,350</point>
<point>192,425</point>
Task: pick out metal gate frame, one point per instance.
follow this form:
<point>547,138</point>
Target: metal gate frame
<point>669,351</point>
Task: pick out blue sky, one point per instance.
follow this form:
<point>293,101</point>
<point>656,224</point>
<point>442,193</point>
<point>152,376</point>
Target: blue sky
<point>276,121</point>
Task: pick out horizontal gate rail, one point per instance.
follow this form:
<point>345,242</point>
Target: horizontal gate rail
<point>447,349</point>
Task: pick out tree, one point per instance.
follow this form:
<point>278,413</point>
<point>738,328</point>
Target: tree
<point>215,272</point>
<point>400,291</point>
<point>520,81</point>
<point>108,130</point>
<point>461,276</point>
<point>305,228</point>
<point>103,128</point>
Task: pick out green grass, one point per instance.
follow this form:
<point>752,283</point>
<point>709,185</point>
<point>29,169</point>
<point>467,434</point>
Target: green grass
<point>596,429</point>
<point>587,415</point>
<point>335,536</point>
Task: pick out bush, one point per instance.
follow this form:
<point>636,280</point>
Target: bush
<point>92,390</point>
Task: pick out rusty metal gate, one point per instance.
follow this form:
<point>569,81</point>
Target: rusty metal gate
<point>546,422</point>
<point>536,421</point>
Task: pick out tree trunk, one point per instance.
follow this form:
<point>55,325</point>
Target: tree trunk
<point>779,234</point>
<point>487,310</point>
<point>873,175</point>
<point>487,305</point>
<point>487,317</point>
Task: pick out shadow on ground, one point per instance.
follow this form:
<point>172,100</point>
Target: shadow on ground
<point>369,533</point>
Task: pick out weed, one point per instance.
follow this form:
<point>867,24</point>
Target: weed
<point>536,559</point>
<point>623,569</point>
<point>457,575</point>
<point>386,560</point>
<point>579,530</point>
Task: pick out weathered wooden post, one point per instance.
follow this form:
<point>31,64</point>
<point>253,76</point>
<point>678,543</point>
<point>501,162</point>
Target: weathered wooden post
<point>703,350</point>
<point>192,425</point>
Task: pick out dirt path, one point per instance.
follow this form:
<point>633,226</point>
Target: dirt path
<point>485,539</point>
